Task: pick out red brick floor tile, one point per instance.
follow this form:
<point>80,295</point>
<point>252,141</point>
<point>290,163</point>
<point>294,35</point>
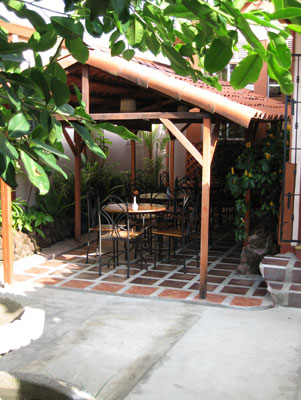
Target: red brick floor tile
<point>297,264</point>
<point>22,278</point>
<point>144,281</point>
<point>114,278</point>
<point>191,270</point>
<point>37,270</point>
<point>246,301</point>
<point>66,257</point>
<point>275,261</point>
<point>196,286</point>
<point>212,298</point>
<point>79,252</point>
<point>62,273</point>
<point>74,267</point>
<point>296,276</point>
<point>164,267</point>
<point>54,264</point>
<point>215,253</point>
<point>219,272</point>
<point>175,294</point>
<point>124,271</point>
<point>295,287</point>
<point>277,286</point>
<point>234,290</point>
<point>231,260</point>
<point>77,284</point>
<point>182,277</point>
<point>175,284</point>
<point>215,279</point>
<point>154,274</point>
<point>49,280</point>
<point>88,275</point>
<point>142,290</point>
<point>241,282</point>
<point>260,292</point>
<point>227,267</point>
<point>108,287</point>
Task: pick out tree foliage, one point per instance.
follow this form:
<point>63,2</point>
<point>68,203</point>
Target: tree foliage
<point>179,29</point>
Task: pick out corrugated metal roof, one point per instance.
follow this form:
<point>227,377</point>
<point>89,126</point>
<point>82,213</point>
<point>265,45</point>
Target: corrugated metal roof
<point>240,106</point>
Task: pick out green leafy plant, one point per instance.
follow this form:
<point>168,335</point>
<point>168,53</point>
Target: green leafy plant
<point>27,219</point>
<point>258,169</point>
<point>155,143</point>
<point>205,33</point>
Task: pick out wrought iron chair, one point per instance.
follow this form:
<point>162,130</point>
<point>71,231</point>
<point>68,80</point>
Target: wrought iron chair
<point>185,226</point>
<point>113,224</point>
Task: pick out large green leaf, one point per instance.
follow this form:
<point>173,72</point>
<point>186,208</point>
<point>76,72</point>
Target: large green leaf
<point>179,10</point>
<point>36,173</point>
<point>286,13</point>
<point>247,71</point>
<point>39,79</point>
<point>293,27</point>
<point>16,79</point>
<point>117,48</point>
<point>218,55</point>
<point>39,133</point>
<point>49,160</point>
<point>135,32</point>
<point>13,47</point>
<point>119,6</point>
<point>36,20</point>
<point>280,50</point>
<point>88,140</point>
<point>78,49</point>
<point>152,43</point>
<point>7,149</point>
<point>7,171</point>
<point>54,69</point>
<point>60,91</point>
<point>175,58</point>
<point>67,27</point>
<point>45,41</point>
<point>97,8</point>
<point>48,148</point>
<point>18,126</point>
<point>65,109</point>
<point>119,130</point>
<point>94,28</point>
<point>282,75</point>
<point>128,54</point>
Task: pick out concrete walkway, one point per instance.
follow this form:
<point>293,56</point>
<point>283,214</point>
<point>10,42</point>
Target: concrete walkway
<point>157,349</point>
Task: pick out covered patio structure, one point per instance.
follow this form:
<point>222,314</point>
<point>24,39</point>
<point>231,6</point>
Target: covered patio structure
<point>159,93</point>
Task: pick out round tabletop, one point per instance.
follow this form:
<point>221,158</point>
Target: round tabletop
<point>143,208</point>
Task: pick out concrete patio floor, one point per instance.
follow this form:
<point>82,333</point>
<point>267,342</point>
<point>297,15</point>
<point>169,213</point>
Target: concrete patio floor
<point>148,349</point>
<point>64,265</point>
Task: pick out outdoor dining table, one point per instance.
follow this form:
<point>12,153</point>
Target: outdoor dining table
<point>143,208</point>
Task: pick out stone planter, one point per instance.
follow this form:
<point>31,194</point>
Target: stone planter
<point>18,325</point>
<point>17,386</point>
<point>23,245</point>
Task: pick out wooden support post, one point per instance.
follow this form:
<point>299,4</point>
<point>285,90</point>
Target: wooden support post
<point>133,164</point>
<point>7,233</point>
<point>172,166</point>
<point>77,165</point>
<point>167,157</point>
<point>205,206</point>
